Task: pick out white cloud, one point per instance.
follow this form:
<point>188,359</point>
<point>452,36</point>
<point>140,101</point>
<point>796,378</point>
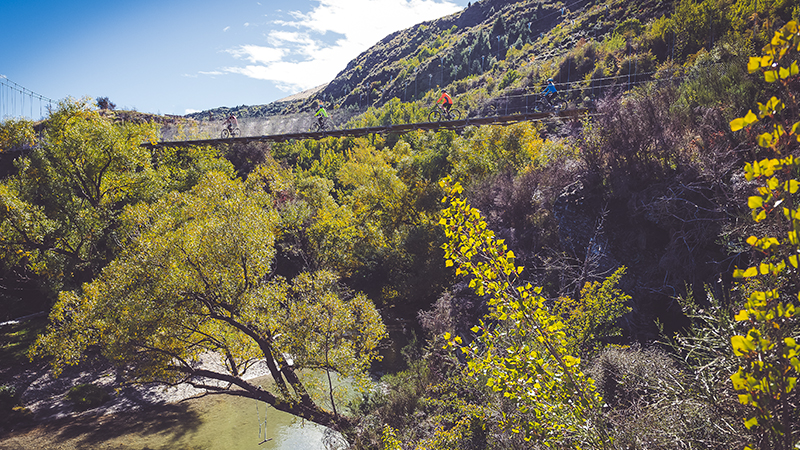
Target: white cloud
<point>257,54</point>
<point>226,28</point>
<point>305,56</point>
<point>190,111</point>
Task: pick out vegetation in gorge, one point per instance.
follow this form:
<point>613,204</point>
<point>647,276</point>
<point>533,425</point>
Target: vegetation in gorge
<point>769,354</point>
<point>640,332</point>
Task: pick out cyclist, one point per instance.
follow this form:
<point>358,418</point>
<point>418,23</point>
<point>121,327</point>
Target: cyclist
<point>231,123</point>
<point>321,115</point>
<point>550,91</point>
<point>446,101</point>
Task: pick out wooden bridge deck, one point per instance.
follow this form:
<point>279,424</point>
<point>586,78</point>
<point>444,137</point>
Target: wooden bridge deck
<point>403,128</point>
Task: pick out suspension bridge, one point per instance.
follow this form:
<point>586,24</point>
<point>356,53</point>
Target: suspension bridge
<point>385,129</point>
<point>17,101</point>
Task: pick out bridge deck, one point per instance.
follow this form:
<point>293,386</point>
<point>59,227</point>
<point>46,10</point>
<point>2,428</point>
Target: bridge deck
<point>403,128</point>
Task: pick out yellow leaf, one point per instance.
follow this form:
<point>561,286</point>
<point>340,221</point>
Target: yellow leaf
<point>765,140</point>
<point>737,124</point>
<point>754,64</point>
<point>741,345</point>
<point>755,202</point>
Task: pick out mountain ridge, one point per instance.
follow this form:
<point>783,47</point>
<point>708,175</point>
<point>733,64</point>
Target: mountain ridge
<point>496,36</point>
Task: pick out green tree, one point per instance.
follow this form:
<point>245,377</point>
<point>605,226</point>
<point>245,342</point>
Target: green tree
<point>59,210</point>
<point>16,134</point>
<point>195,282</point>
<point>769,353</point>
<point>105,103</point>
<point>521,349</point>
<point>591,320</point>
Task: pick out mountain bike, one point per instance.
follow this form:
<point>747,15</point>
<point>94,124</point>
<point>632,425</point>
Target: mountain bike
<point>319,126</point>
<point>438,114</point>
<point>542,104</point>
<point>230,132</point>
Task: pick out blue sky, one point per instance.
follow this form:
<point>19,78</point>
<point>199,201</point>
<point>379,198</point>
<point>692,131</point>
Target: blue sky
<point>179,56</point>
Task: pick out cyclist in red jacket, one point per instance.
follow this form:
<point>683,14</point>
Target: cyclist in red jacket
<point>446,101</point>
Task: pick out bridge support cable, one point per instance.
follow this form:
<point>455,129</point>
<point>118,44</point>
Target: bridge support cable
<point>13,107</point>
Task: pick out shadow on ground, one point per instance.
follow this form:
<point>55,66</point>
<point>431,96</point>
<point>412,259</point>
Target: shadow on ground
<point>130,430</point>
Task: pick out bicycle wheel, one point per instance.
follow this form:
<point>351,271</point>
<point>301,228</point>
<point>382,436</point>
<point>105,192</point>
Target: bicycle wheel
<point>315,127</point>
<point>435,115</point>
<point>225,133</point>
<point>236,132</point>
<point>455,114</point>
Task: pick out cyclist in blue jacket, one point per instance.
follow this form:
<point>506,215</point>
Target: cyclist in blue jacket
<point>550,91</point>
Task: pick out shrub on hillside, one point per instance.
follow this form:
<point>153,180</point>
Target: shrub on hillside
<point>652,404</point>
<point>87,396</point>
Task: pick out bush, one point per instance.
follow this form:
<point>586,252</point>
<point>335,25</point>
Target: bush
<point>87,396</point>
<point>510,77</point>
<point>105,103</point>
<point>11,412</point>
<point>653,404</point>
<point>8,397</point>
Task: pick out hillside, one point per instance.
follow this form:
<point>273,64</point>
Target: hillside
<point>487,41</point>
<point>509,45</point>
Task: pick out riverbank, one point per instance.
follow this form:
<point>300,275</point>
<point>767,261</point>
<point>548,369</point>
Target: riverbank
<point>45,395</point>
<point>139,417</point>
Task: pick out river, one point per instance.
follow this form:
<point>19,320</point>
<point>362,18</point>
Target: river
<point>214,422</point>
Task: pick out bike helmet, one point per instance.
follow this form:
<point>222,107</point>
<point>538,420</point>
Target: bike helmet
<point>550,80</point>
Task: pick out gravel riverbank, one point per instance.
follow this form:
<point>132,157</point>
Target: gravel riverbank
<point>45,395</point>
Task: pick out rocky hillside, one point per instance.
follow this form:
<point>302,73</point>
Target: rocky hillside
<point>488,39</point>
<point>497,45</point>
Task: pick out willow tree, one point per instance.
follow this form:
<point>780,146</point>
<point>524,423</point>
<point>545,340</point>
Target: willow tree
<point>195,281</point>
<point>61,204</point>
